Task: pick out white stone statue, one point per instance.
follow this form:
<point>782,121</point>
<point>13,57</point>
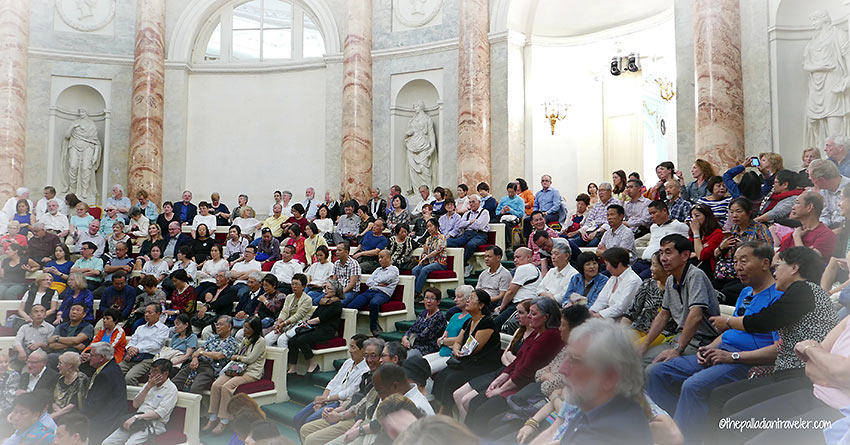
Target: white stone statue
<point>421,144</point>
<point>81,151</point>
<point>828,103</point>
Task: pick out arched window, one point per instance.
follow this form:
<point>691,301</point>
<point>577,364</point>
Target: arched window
<point>260,31</point>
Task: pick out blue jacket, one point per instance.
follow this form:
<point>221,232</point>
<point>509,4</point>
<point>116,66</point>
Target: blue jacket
<point>191,211</point>
<point>577,286</point>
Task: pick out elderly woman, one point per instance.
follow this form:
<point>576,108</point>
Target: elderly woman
<point>401,247</point>
<point>219,210</point>
<point>744,230</point>
<point>117,236</point>
<point>428,327</point>
<point>139,224</point>
<point>439,360</point>
<point>322,326</point>
<point>296,308</point>
<point>71,388</point>
<point>585,286</point>
<point>77,293</point>
<point>247,223</point>
<point>39,293</point>
<point>9,383</point>
<point>183,299</point>
<point>245,366</point>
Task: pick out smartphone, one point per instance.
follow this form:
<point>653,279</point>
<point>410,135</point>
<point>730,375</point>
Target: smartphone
<point>755,162</point>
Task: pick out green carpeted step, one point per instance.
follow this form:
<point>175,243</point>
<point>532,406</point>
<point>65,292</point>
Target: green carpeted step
<point>392,336</point>
<point>509,255</point>
<point>338,363</point>
<point>403,326</point>
<point>303,393</point>
<point>447,303</point>
<point>508,264</point>
<point>321,379</point>
<point>450,293</point>
<point>470,281</point>
<point>282,412</point>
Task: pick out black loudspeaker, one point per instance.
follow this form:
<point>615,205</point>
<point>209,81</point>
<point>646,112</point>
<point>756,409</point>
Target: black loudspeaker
<point>633,62</point>
<point>616,68</point>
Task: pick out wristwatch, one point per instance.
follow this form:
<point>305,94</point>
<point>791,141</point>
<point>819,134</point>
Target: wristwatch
<point>736,356</point>
<point>360,430</point>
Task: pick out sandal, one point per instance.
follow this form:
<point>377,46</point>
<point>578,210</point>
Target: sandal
<point>210,424</point>
<point>219,429</point>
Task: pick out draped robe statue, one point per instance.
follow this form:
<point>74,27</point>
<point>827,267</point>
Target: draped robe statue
<point>828,104</point>
<point>421,144</point>
<point>81,157</point>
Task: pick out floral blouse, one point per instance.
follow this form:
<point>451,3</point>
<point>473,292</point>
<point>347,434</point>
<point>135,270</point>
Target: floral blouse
<point>184,301</point>
<point>9,384</point>
<point>394,219</point>
<point>435,244</point>
<point>400,251</point>
<point>427,330</point>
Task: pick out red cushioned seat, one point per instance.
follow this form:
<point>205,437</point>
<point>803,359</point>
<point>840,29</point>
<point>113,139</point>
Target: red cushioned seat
<point>405,272</point>
<point>442,274</point>
<point>267,265</point>
<point>220,238</point>
<point>332,343</point>
<point>482,247</point>
<point>392,306</point>
<point>264,384</point>
<point>173,434</point>
<point>396,302</point>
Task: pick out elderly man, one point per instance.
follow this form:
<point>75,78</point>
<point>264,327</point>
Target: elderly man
<point>603,382</point>
<point>523,286</point>
<point>146,342</point>
<point>557,278</point>
<point>153,405</point>
<point>812,233</point>
<point>495,279</point>
<point>346,271</point>
<point>93,236</point>
<point>474,225</point>
<point>370,246</point>
<point>310,204</point>
<point>285,269</point>
<point>619,291</point>
<point>836,151</point>
<point>275,221</point>
<point>42,245</point>
<point>174,240</point>
<point>109,219</point>
<point>548,201</point>
<point>596,222</point>
<point>348,226</point>
<point>545,243</point>
<point>637,209</point>
<point>427,198</point>
<point>54,221</point>
<point>209,359</point>
<point>242,204</point>
<point>106,402</point>
<point>680,209</point>
<point>90,266</point>
<point>41,205</point>
<point>120,202</point>
<point>382,284</point>
<point>185,210</point>
<point>829,183</point>
<point>36,376</point>
<point>618,235</point>
<point>32,336</point>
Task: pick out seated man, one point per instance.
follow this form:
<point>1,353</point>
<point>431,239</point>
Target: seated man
<point>348,226</point>
<point>450,222</point>
<point>153,406</point>
<point>94,236</point>
<point>37,376</point>
<point>680,209</point>
<point>72,335</point>
<point>119,296</point>
<point>545,244</point>
<point>558,277</point>
<point>245,305</point>
<point>511,208</point>
<point>89,265</point>
<point>50,194</point>
<point>619,235</point>
<point>829,183</point>
<point>72,429</point>
<point>474,225</point>
<point>382,284</point>
<point>268,247</point>
<point>218,301</point>
<point>242,269</point>
<point>495,279</point>
<point>31,337</point>
<point>146,342</point>
<point>209,359</point>
<point>370,246</point>
<point>346,271</point>
<point>620,290</point>
<point>637,209</point>
<point>121,262</point>
<point>523,286</point>
<point>275,220</point>
<point>26,417</point>
<point>42,245</point>
<point>286,268</point>
<point>54,221</point>
<point>538,224</point>
<point>682,385</point>
<point>185,210</point>
<point>596,222</point>
<point>662,225</point>
<point>812,233</point>
<point>172,243</point>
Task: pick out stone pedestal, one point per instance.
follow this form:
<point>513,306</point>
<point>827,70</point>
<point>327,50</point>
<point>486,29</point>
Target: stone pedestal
<point>14,43</point>
<point>719,136</point>
<point>146,113</point>
<point>357,102</point>
<point>473,145</point>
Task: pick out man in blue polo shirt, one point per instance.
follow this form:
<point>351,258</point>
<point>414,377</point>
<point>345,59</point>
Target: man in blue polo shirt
<point>370,246</point>
<point>727,359</point>
<point>548,201</point>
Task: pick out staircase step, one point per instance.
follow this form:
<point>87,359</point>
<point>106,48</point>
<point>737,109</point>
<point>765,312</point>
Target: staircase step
<point>450,293</point>
<point>448,303</point>
<point>303,393</point>
<point>403,326</point>
<point>338,363</point>
<point>321,379</point>
<point>392,336</point>
<point>470,281</point>
<point>283,412</point>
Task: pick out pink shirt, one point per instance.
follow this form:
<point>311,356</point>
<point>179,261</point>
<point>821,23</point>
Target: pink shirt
<point>835,397</point>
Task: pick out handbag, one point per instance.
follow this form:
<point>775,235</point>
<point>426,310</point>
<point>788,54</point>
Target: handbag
<point>234,369</point>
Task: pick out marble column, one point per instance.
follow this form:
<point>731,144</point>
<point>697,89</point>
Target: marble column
<point>357,102</point>
<point>146,112</point>
<point>14,43</point>
<point>473,142</point>
<point>719,135</point>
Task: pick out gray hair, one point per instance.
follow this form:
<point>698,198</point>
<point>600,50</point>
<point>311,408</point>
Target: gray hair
<point>337,287</point>
<point>611,346</point>
<point>286,192</point>
<point>226,318</point>
<point>21,190</point>
<point>225,272</point>
<point>551,308</point>
<point>475,197</point>
<point>119,187</point>
<point>39,355</point>
<point>841,140</point>
<point>52,201</point>
<point>255,275</point>
<point>375,341</point>
<point>605,185</point>
<point>104,349</point>
<point>464,290</point>
<point>823,169</point>
<point>38,226</point>
<point>562,245</point>
<point>71,357</point>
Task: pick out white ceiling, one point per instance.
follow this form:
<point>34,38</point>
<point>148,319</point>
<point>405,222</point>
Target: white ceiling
<point>569,18</point>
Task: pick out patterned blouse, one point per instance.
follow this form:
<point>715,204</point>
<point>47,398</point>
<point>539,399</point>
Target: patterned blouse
<point>184,301</point>
<point>394,219</point>
<point>427,330</point>
<point>75,392</point>
<point>9,384</point>
<point>400,251</point>
<point>548,387</point>
<point>645,307</point>
<point>814,325</point>
<point>755,231</point>
<point>435,244</point>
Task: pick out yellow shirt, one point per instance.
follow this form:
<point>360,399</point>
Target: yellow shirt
<point>274,224</point>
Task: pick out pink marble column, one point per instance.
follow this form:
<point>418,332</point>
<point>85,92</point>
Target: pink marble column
<point>473,142</point>
<point>146,112</point>
<point>357,102</point>
<point>14,43</point>
<point>719,136</point>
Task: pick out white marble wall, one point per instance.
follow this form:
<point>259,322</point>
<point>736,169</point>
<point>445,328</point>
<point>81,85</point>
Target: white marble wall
<point>755,58</point>
<point>685,100</point>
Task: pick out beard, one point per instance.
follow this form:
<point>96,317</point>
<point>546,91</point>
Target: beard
<point>584,395</point>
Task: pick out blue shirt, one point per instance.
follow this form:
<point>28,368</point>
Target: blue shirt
<point>85,298</point>
<point>516,206</point>
<point>106,223</point>
<point>123,299</point>
<point>149,211</point>
<point>733,188</point>
<point>844,166</point>
<point>578,286</point>
<point>452,330</point>
<point>753,304</point>
<point>183,344</point>
<point>370,242</point>
<point>450,226</point>
<point>548,201</point>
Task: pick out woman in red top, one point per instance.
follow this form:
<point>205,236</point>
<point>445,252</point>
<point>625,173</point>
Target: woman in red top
<point>297,218</point>
<point>706,234</point>
<point>296,240</point>
<point>544,319</point>
<point>111,334</point>
<point>184,297</point>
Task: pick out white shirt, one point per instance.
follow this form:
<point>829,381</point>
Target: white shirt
<point>347,381</point>
<point>191,270</point>
<point>161,399</point>
<point>156,270</point>
<point>209,220</point>
<point>35,378</point>
<point>419,400</point>
<point>556,281</point>
<point>320,273</point>
<point>139,228</point>
<point>418,209</point>
<point>324,225</point>
<point>658,232</point>
<point>243,266</point>
<point>41,206</point>
<point>524,276</point>
<point>57,222</point>
<point>210,269</point>
<point>310,212</point>
<point>285,271</point>
<point>617,295</point>
<point>149,339</point>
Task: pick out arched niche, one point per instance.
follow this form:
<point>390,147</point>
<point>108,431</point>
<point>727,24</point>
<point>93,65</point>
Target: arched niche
<point>401,111</point>
<point>70,96</point>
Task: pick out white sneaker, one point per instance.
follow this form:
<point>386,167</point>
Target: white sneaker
<point>467,270</point>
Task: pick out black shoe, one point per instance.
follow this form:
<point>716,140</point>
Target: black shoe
<point>377,332</point>
<point>313,371</point>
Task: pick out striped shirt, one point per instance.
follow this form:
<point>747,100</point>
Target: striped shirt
<point>719,208</point>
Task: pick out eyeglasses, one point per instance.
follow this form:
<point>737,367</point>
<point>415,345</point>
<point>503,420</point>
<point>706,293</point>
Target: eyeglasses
<point>371,355</point>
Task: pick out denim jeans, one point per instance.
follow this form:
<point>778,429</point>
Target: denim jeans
<point>372,297</point>
<point>316,295</point>
<point>308,415</point>
<point>421,274</point>
<point>469,240</point>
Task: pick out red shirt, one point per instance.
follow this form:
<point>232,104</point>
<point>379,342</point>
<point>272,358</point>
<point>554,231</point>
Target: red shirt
<point>710,242</point>
<point>184,301</point>
<point>820,238</point>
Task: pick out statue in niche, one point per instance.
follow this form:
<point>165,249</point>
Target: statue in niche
<point>81,157</point>
<point>828,104</point>
<point>421,144</point>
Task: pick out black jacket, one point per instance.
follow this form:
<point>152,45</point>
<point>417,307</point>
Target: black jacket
<point>47,382</point>
<point>106,403</point>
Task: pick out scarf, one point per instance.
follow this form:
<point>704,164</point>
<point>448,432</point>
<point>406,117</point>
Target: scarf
<point>775,198</point>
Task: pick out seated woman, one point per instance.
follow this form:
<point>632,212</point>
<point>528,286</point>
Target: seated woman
<point>647,303</point>
<point>270,303</point>
<point>585,286</point>
<point>111,333</point>
<point>71,388</point>
<point>437,207</point>
<point>433,256</point>
<point>476,353</point>
<point>294,238</point>
<point>438,360</point>
<point>544,319</point>
<point>706,234</point>
<point>202,244</point>
<point>235,244</point>
<point>248,225</point>
<point>183,298</point>
<point>184,262</point>
<point>23,215</point>
<point>296,308</point>
<point>9,383</point>
<point>401,247</point>
<point>80,220</point>
<point>203,217</point>
<point>313,241</point>
<point>399,214</point>
<point>12,236</point>
<point>214,302</point>
<point>39,293</point>
<point>319,273</point>
<point>155,266</point>
<point>717,199</point>
<point>245,367</point>
<point>59,267</point>
<point>117,236</point>
<point>182,344</point>
<point>322,326</point>
<point>154,237</point>
<point>139,224</point>
<point>12,273</point>
<point>366,221</point>
<point>420,227</point>
<point>429,326</point>
<point>167,216</point>
<point>778,205</point>
<point>77,293</point>
<point>151,294</point>
<point>836,269</point>
<point>324,223</point>
<point>744,229</point>
<point>297,218</point>
<point>214,264</point>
